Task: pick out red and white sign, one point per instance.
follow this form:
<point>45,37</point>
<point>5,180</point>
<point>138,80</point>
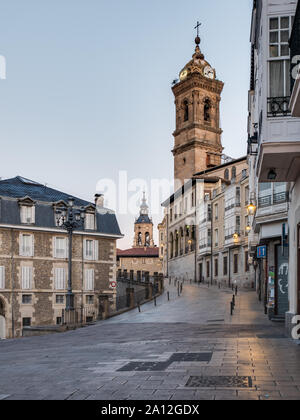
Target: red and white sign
<point>113,284</point>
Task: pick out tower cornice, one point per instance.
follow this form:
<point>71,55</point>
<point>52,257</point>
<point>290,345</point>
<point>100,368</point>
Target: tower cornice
<point>198,81</point>
<point>195,143</point>
<point>192,126</point>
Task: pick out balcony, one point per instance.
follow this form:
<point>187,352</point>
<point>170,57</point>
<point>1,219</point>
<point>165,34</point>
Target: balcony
<point>270,200</point>
<point>278,107</point>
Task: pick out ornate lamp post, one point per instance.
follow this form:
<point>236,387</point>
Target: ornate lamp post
<point>70,219</point>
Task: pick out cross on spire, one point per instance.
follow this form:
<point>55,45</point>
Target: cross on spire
<point>197,27</point>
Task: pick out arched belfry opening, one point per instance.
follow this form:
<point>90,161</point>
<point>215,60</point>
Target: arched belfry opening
<point>207,110</point>
<point>186,110</point>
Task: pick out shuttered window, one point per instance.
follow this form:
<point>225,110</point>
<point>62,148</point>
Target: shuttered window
<point>90,221</point>
<point>90,251</point>
<point>27,278</point>
<point>89,279</point>
<point>2,277</point>
<point>27,214</point>
<point>60,278</point>
<point>26,245</point>
<point>60,247</point>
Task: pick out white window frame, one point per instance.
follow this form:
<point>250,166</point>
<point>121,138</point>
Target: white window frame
<point>26,250</point>
<point>93,252</point>
<point>2,278</point>
<point>61,253</point>
<point>89,279</point>
<point>26,278</point>
<point>59,278</point>
<point>90,221</point>
<point>27,214</point>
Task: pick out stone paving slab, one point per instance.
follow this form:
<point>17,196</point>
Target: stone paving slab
<point>84,364</point>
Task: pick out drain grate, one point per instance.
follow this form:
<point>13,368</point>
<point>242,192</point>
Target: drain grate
<point>219,381</point>
<point>161,366</point>
<point>270,337</point>
<point>216,320</point>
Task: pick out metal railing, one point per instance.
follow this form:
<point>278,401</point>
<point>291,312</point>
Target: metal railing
<point>277,198</point>
<point>278,107</point>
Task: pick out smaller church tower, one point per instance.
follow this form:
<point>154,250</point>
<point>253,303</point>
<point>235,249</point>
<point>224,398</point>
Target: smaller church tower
<point>143,227</point>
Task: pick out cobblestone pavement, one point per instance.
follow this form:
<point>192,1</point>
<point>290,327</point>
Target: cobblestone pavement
<point>187,349</point>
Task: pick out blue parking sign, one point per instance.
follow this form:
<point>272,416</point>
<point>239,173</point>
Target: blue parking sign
<point>261,251</point>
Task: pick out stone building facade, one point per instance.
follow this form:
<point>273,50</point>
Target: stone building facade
<point>34,257</point>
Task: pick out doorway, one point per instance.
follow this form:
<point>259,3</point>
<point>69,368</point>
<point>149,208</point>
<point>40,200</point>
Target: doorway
<point>298,258</point>
<point>281,281</point>
<point>200,272</point>
<point>2,320</point>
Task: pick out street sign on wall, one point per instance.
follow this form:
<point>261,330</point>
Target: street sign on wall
<point>262,251</point>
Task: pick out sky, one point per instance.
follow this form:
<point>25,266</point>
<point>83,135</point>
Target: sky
<point>88,87</point>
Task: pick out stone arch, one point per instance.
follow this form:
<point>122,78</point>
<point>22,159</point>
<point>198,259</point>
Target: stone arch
<point>147,239</point>
<point>185,106</point>
<point>171,245</point>
<point>2,319</point>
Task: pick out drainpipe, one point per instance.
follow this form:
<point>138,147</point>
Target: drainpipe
<point>12,284</point>
<point>229,268</point>
<point>212,239</point>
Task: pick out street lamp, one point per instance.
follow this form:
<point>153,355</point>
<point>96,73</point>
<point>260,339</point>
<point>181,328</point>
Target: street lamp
<point>68,218</point>
<point>248,228</point>
<point>251,209</point>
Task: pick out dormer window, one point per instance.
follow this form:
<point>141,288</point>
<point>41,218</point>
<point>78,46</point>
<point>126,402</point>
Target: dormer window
<point>27,211</point>
<point>90,218</point>
<point>60,213</point>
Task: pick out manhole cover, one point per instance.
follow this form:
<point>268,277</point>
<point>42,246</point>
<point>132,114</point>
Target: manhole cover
<point>219,381</point>
<point>161,366</point>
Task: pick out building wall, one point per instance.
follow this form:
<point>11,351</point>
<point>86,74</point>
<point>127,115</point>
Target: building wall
<point>43,310</point>
<point>142,264</point>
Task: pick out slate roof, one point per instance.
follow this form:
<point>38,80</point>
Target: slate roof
<point>11,190</point>
<point>138,252</point>
<point>143,218</point>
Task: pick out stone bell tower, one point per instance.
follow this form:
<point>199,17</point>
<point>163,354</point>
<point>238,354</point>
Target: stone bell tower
<point>143,227</point>
<point>198,134</point>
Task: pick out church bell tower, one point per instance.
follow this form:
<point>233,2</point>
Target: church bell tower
<point>143,227</point>
<point>198,134</point>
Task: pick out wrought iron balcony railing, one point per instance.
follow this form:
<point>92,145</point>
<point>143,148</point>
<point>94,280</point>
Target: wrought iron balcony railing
<point>270,200</point>
<point>278,107</point>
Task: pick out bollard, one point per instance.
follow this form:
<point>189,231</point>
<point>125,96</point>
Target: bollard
<point>231,308</point>
<point>190,281</point>
<point>181,288</point>
<point>233,300</point>
<point>219,284</point>
<point>168,296</point>
<point>236,290</point>
<point>139,306</point>
<point>155,301</point>
<point>178,290</point>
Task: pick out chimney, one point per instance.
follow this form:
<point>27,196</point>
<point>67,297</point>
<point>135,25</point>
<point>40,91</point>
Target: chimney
<point>99,200</point>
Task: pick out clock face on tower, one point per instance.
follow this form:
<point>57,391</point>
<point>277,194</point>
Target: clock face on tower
<point>209,72</point>
<point>183,74</point>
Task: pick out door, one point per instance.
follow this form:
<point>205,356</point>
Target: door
<point>201,272</point>
<point>2,327</point>
<point>298,290</point>
<point>282,273</point>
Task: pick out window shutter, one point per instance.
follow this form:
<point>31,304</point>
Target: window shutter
<point>96,251</point>
<point>60,279</point>
<point>32,246</point>
<point>84,249</point>
<point>2,277</point>
<point>89,279</point>
<point>26,278</point>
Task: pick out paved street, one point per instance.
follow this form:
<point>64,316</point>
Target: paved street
<point>189,348</point>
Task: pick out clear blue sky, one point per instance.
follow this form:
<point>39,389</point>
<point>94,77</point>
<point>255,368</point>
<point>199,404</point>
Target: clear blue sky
<point>88,88</point>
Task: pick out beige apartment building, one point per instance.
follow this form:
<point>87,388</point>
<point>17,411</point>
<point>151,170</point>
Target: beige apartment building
<point>34,257</point>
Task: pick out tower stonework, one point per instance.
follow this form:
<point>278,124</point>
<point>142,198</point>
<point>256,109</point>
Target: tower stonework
<point>143,227</point>
<point>198,134</point>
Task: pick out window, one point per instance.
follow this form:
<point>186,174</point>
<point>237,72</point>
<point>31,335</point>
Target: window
<point>2,277</point>
<point>90,221</point>
<point>216,237</point>
<point>60,278</point>
<point>26,278</point>
<point>60,299</point>
<point>27,214</point>
<point>26,245</point>
<point>90,250</point>
<point>225,266</point>
<point>26,322</point>
<point>279,65</point>
<point>60,247</point>
<point>235,263</point>
<point>216,267</point>
<point>89,300</point>
<point>186,110</point>
<point>171,215</point>
<point>226,174</point>
<point>216,212</point>
<point>238,224</point>
<point>89,279</point>
<point>233,173</point>
<point>207,269</point>
<point>26,299</point>
<point>59,320</point>
<point>246,196</point>
<point>207,108</point>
